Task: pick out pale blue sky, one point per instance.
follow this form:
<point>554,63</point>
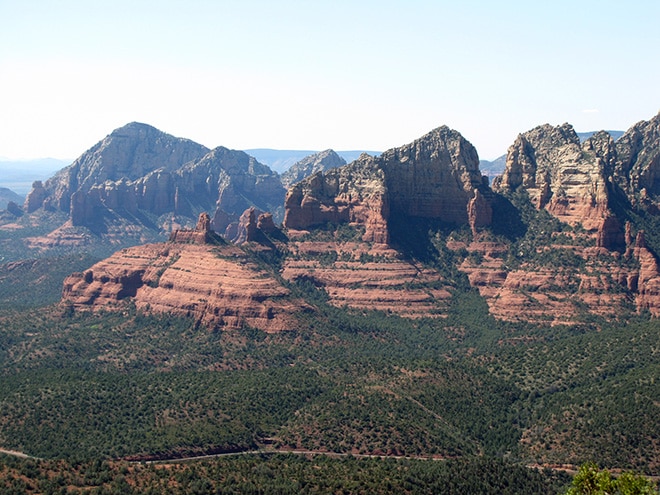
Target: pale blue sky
<point>320,74</point>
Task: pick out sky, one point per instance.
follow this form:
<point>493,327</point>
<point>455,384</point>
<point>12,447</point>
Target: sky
<point>318,74</point>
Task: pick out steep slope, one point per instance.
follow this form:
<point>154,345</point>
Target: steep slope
<point>356,194</point>
<point>592,260</point>
<point>637,169</point>
<point>436,177</point>
<point>573,256</point>
<point>8,196</point>
<point>567,178</point>
<point>130,152</point>
<point>405,231</point>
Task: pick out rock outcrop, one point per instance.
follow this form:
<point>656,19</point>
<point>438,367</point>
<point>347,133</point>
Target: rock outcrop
<point>579,183</point>
<point>433,177</point>
<point>253,226</point>
<point>318,162</point>
<point>138,170</point>
<point>437,176</point>
<point>217,285</point>
<point>567,178</point>
<point>201,234</point>
<point>128,153</point>
<point>637,170</point>
<point>355,193</point>
<point>14,209</point>
<point>8,196</point>
<point>359,276</point>
<point>36,197</point>
<point>341,223</point>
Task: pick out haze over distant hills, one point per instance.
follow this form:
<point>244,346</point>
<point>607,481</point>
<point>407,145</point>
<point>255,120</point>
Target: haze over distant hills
<point>281,160</point>
<point>18,175</point>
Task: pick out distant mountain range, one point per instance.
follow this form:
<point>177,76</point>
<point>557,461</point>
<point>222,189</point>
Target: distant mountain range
<point>7,195</point>
<point>586,135</point>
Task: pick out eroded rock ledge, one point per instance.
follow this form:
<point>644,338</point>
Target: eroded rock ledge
<point>214,282</point>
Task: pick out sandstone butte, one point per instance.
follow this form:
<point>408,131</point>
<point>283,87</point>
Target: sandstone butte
<point>436,177</point>
<point>213,282</point>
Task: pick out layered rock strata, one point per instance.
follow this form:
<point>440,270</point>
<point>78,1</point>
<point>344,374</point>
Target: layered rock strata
<point>357,276</point>
<point>606,283</point>
<point>637,169</point>
<point>436,176</point>
<point>567,178</point>
<point>217,285</point>
<point>355,193</point>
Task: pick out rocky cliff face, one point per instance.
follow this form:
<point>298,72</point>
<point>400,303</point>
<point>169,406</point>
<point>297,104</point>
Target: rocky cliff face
<point>139,170</point>
<point>576,181</point>
<point>594,260</point>
<point>128,153</point>
<point>436,177</point>
<point>355,193</point>
<point>637,169</point>
<point>568,179</point>
<point>218,285</point>
<point>318,162</point>
<point>433,177</point>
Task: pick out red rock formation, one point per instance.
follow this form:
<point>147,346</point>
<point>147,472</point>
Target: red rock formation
<point>568,179</point>
<point>265,223</point>
<point>433,177</point>
<point>355,193</point>
<point>648,279</point>
<point>247,227</point>
<point>610,235</point>
<point>366,279</point>
<point>480,212</point>
<point>202,234</point>
<point>217,285</point>
<point>638,163</point>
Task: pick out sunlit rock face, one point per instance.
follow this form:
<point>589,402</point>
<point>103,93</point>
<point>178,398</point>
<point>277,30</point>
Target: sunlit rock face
<point>436,176</point>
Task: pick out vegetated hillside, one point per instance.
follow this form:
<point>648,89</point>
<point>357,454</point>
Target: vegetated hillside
<point>283,474</point>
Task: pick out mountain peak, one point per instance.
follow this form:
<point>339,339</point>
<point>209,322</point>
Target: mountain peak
<point>311,164</point>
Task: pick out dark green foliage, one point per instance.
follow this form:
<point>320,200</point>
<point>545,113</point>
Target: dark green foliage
<point>85,415</point>
<point>590,394</point>
<point>507,219</point>
<point>593,481</point>
<point>283,474</point>
<point>93,386</point>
